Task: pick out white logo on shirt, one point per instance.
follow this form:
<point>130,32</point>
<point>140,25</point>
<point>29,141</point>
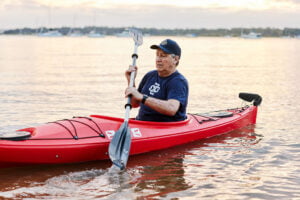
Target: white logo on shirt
<point>154,88</point>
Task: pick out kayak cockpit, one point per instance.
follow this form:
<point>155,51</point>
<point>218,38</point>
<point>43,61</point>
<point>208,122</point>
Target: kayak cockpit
<point>134,121</point>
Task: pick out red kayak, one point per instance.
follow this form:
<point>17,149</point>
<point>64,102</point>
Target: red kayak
<point>84,139</point>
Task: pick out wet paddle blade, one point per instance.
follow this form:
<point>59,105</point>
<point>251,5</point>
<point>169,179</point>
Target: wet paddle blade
<point>119,146</point>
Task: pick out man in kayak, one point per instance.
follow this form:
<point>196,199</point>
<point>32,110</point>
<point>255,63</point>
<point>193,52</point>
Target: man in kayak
<point>163,93</point>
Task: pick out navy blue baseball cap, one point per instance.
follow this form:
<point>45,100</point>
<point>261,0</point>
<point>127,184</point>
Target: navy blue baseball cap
<point>169,47</point>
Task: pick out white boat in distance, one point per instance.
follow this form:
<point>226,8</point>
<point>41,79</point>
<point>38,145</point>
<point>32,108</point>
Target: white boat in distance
<point>190,35</point>
<point>251,35</point>
<point>94,34</point>
<point>74,33</point>
<point>123,34</point>
<point>50,34</point>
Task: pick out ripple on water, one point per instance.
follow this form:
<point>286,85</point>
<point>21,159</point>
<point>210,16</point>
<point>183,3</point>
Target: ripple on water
<point>89,184</point>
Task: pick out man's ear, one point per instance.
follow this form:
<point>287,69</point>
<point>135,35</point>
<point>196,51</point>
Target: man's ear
<point>176,60</point>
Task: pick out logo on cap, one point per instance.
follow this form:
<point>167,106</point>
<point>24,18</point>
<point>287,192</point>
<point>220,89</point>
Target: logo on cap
<point>165,42</point>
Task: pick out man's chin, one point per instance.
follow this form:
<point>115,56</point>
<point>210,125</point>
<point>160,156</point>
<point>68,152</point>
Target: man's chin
<point>159,68</point>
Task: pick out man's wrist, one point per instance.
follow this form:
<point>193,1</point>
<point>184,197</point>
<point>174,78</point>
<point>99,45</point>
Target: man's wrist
<point>145,97</point>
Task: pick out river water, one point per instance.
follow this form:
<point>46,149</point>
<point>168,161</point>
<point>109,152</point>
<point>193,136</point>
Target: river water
<point>47,79</point>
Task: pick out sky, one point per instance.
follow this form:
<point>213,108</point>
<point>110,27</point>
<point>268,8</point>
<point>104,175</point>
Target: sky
<point>150,13</point>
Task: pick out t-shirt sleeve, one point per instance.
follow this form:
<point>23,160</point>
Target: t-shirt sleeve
<point>178,89</point>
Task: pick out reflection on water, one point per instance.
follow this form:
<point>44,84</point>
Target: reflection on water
<point>46,79</point>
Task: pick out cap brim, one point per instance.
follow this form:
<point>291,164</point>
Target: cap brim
<point>154,46</point>
<point>159,47</point>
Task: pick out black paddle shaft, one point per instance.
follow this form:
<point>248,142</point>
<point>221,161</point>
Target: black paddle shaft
<point>131,83</point>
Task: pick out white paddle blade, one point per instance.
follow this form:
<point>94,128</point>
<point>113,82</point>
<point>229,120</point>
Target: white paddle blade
<point>136,35</point>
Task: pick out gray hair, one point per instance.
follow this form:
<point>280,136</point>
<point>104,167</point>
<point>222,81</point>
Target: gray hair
<point>173,56</point>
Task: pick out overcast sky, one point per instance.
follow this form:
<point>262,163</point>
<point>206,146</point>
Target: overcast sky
<point>150,13</point>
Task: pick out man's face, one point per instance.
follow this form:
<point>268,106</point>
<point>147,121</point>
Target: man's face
<point>165,62</point>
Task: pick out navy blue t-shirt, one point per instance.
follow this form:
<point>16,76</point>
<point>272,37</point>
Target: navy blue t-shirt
<point>174,86</point>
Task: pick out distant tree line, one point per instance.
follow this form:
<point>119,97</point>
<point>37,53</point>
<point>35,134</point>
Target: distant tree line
<point>233,32</point>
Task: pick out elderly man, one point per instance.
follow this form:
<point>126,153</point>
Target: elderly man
<point>163,93</point>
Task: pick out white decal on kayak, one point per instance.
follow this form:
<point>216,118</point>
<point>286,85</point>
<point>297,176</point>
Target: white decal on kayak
<point>110,134</point>
<point>135,132</point>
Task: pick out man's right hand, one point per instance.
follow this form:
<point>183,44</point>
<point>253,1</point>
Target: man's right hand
<point>128,72</point>
<point>136,96</point>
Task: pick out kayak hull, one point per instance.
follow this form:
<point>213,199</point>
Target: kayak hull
<point>83,139</point>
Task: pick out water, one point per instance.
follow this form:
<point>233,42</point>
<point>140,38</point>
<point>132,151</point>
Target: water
<point>46,79</point>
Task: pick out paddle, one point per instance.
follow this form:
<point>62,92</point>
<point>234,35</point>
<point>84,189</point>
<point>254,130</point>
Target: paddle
<point>119,146</point>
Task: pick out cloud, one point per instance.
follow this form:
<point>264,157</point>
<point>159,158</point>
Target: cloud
<point>21,4</point>
<point>36,14</point>
<point>290,1</point>
<point>128,4</point>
